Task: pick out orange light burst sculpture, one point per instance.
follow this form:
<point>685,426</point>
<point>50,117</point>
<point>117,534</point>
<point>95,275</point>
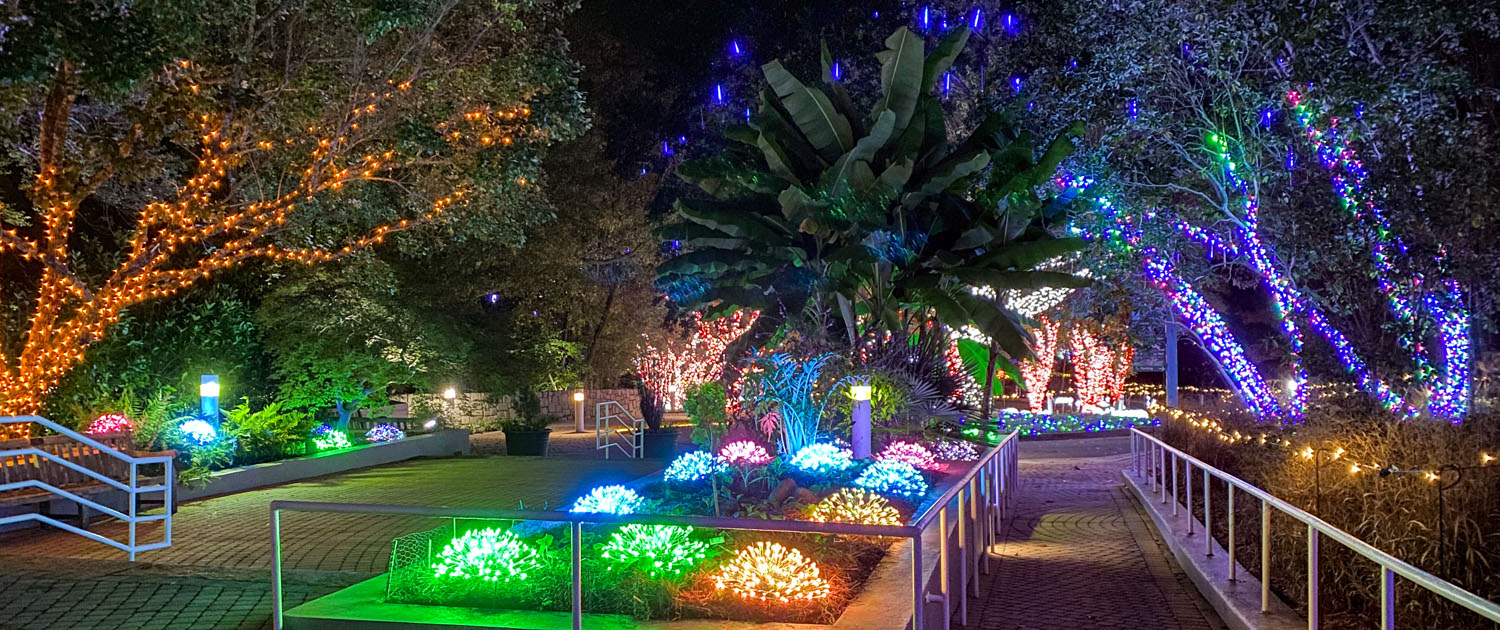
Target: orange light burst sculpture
<point>210,224</point>
<point>1038,373</point>
<point>769,572</point>
<point>672,365</point>
<point>860,507</point>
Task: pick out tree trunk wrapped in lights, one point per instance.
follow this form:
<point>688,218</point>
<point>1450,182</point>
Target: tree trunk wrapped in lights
<point>1038,372</point>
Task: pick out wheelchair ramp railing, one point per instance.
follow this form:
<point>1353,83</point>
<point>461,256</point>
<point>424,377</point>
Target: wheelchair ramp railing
<point>615,428</point>
<point>103,456</point>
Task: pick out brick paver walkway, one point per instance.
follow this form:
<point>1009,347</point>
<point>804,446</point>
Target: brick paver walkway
<point>1079,554</point>
<point>216,573</point>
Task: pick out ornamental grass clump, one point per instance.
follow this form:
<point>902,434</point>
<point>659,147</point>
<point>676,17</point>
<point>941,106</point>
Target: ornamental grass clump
<point>487,555</point>
<point>769,572</point>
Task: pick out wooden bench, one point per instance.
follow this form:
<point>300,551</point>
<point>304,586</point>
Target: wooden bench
<point>31,467</point>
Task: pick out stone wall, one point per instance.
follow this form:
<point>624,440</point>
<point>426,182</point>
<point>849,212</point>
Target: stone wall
<point>478,411</point>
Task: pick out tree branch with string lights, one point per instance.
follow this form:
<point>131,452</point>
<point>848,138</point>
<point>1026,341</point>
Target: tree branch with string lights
<point>197,168</point>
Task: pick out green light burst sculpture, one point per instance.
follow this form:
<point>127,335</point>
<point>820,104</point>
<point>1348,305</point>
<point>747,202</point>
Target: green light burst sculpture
<point>486,554</point>
<point>659,551</point>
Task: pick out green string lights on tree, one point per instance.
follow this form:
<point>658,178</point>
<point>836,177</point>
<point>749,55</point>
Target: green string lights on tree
<point>659,551</point>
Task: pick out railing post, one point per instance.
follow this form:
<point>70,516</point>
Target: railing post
<point>918,585</point>
<point>1208,515</point>
<point>1174,484</point>
<point>1312,578</point>
<point>276,621</point>
<point>1232,568</point>
<point>1387,599</point>
<point>171,482</point>
<point>133,504</point>
<point>963,562</point>
<point>976,533</point>
<point>1187,474</point>
<point>943,586</point>
<point>1265,556</point>
<point>577,575</point>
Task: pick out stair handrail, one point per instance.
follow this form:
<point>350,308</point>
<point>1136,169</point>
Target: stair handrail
<point>133,489</point>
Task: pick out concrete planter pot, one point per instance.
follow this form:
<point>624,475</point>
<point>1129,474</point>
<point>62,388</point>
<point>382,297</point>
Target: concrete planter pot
<point>527,442</point>
<point>659,444</point>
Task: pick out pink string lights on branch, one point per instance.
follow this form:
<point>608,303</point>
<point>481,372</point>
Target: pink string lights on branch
<point>670,367</point>
<point>1099,371</point>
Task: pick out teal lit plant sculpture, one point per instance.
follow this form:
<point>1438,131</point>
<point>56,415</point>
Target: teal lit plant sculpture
<point>896,478</point>
<point>695,466</point>
<point>823,458</point>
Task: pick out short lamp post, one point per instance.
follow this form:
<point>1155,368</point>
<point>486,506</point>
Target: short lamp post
<point>578,411</point>
<point>208,398</point>
<point>860,439</point>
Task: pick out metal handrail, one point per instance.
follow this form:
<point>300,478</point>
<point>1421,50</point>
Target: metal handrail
<point>1390,565</point>
<point>636,428</point>
<point>982,494</point>
<point>133,489</point>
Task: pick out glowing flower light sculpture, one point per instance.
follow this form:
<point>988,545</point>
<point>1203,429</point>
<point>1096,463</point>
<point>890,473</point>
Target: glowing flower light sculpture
<point>860,507</point>
<point>199,432</point>
<point>823,458</point>
<point>767,571</point>
<point>893,477</point>
<point>110,423</point>
<point>910,452</point>
<point>744,453</point>
<point>659,551</point>
<point>326,438</point>
<point>384,432</point>
<point>486,554</point>
<point>695,466</point>
<point>614,499</point>
<point>956,450</point>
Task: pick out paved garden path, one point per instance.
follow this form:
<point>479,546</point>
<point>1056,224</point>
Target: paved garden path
<point>216,573</point>
<point>1078,553</point>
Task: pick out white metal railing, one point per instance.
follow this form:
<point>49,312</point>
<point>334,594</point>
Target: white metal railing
<point>132,490</point>
<point>1162,455</point>
<point>982,494</point>
<point>609,413</point>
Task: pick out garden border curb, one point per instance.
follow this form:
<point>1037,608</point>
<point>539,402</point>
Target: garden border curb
<point>440,443</point>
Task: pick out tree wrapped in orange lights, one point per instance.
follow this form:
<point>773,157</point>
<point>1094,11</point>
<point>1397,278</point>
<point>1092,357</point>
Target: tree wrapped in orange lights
<point>315,142</point>
<point>1038,372</point>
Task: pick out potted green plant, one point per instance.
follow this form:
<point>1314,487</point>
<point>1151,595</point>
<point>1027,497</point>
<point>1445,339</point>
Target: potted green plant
<point>657,442</point>
<point>527,432</point>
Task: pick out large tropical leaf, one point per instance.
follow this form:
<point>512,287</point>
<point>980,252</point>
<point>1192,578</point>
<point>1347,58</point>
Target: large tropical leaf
<point>942,56</point>
<point>900,76</point>
<point>839,95</point>
<point>815,116</point>
<point>837,182</point>
<point>1028,254</point>
<point>731,219</point>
